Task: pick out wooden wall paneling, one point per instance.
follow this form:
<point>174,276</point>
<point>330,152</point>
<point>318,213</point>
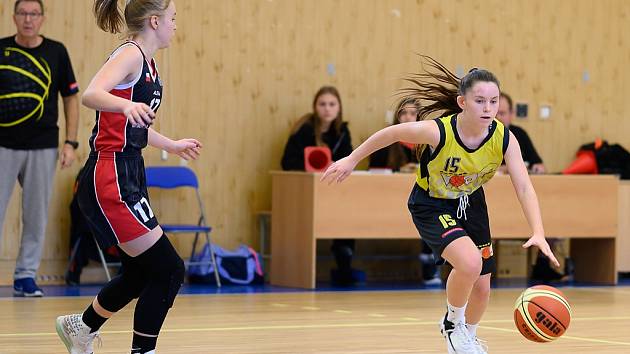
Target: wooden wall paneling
<point>240,73</point>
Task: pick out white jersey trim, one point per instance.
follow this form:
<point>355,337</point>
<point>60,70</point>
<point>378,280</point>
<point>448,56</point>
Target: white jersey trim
<point>134,81</point>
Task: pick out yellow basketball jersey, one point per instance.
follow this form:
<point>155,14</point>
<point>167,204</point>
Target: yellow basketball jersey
<point>452,169</point>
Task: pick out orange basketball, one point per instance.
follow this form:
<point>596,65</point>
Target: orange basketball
<point>542,313</point>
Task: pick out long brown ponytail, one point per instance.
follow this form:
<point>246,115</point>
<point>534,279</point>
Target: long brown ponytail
<point>437,88</point>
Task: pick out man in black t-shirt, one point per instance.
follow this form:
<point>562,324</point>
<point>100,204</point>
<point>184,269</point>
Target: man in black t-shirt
<point>34,70</point>
<point>505,114</point>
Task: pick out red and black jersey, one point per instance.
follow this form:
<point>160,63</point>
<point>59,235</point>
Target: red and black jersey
<point>112,131</point>
<point>112,191</point>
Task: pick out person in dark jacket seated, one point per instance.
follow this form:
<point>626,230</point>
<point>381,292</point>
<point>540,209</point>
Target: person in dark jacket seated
<point>402,157</point>
<point>324,126</point>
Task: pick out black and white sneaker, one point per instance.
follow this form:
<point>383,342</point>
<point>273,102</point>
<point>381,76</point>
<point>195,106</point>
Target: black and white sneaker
<point>458,340</point>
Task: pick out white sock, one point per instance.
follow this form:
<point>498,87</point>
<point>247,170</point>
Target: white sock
<point>456,314</point>
<point>472,329</point>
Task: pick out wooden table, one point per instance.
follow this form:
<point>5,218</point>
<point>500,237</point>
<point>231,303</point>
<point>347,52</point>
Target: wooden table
<point>374,206</point>
<point>623,235</point>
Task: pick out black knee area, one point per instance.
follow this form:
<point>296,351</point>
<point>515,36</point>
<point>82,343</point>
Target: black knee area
<point>175,280</point>
<point>165,271</point>
<point>164,280</point>
<point>126,286</point>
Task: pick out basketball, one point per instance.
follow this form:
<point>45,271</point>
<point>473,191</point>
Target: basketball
<point>542,313</point>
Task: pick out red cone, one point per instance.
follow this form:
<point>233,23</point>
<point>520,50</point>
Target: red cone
<point>584,163</point>
<point>316,158</point>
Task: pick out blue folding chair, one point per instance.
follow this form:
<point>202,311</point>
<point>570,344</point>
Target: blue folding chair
<point>171,177</point>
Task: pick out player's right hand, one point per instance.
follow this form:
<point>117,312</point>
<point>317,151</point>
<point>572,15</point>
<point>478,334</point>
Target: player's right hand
<point>540,242</point>
<point>139,114</point>
<point>339,170</point>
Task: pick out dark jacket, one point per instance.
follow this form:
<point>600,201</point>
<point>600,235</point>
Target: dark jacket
<point>293,157</point>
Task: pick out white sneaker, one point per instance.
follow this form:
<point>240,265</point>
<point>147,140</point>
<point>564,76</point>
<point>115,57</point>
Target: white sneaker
<point>75,334</point>
<point>481,345</point>
<point>433,282</point>
<point>458,340</point>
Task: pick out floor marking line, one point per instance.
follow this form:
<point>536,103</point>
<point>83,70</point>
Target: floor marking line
<point>407,322</point>
<point>593,340</point>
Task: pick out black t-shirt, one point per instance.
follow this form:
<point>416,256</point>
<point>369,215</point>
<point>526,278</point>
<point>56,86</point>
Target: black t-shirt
<point>30,81</point>
<point>293,158</point>
<point>527,147</point>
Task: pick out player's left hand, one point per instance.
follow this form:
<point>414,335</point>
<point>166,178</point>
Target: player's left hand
<point>542,244</point>
<point>67,156</point>
<point>187,149</point>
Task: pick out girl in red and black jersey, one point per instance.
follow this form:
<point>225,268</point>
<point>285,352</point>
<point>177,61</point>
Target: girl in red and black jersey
<point>112,194</point>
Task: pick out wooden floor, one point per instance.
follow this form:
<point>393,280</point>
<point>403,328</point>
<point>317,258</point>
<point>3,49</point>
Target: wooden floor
<point>323,322</point>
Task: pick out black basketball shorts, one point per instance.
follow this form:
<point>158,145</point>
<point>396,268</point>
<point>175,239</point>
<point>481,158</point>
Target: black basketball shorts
<point>112,195</point>
<point>438,225</point>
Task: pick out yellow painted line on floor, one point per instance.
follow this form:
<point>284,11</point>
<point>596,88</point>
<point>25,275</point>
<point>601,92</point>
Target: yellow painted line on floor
<point>596,340</point>
<point>592,340</point>
<point>245,328</point>
<point>409,321</point>
<point>342,311</point>
<point>605,318</point>
<point>378,315</point>
<point>279,305</point>
<point>611,291</point>
<point>580,319</point>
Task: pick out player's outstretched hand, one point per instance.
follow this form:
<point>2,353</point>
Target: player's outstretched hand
<point>339,170</point>
<point>187,149</point>
<point>541,243</point>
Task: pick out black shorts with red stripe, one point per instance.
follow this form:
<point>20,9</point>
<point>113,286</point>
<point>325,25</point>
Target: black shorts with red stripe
<point>112,195</point>
<point>438,225</point>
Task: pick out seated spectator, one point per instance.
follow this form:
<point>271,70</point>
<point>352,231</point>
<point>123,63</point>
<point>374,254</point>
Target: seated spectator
<point>506,114</point>
<point>399,157</point>
<point>402,157</point>
<point>324,127</point>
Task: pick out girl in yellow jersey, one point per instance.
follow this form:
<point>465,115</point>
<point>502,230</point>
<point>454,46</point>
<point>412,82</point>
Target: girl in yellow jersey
<point>459,152</point>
